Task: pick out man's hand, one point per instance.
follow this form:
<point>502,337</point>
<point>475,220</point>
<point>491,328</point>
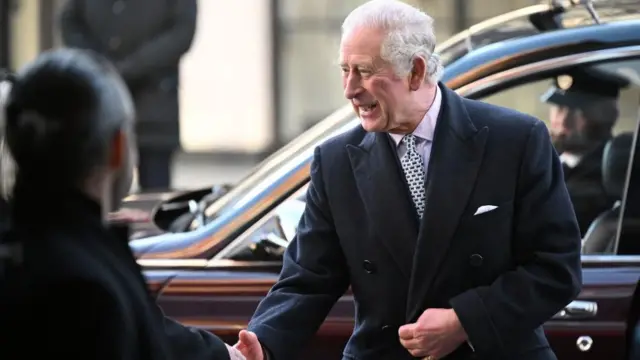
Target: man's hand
<point>235,354</point>
<point>128,215</point>
<point>437,333</point>
<point>249,345</point>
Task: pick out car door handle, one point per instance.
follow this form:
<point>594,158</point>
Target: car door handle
<point>578,309</point>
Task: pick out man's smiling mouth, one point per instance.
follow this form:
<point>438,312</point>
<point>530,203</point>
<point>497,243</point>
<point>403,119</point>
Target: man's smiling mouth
<point>367,109</point>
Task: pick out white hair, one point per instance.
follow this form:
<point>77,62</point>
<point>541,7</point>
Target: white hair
<point>410,34</point>
<point>7,164</point>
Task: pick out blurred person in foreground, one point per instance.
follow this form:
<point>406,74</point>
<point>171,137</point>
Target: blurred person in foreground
<point>448,217</point>
<point>634,344</point>
<point>7,165</point>
<point>583,111</point>
<point>65,274</point>
<point>145,41</point>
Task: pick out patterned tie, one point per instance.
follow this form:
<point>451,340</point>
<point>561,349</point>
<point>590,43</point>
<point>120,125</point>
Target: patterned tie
<point>413,167</point>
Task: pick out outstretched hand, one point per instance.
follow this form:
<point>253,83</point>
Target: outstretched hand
<point>128,215</point>
<point>249,345</point>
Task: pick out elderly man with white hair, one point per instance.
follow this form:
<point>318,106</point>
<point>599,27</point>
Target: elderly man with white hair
<point>449,218</point>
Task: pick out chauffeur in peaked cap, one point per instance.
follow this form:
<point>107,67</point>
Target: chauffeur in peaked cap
<point>580,86</point>
<point>584,109</point>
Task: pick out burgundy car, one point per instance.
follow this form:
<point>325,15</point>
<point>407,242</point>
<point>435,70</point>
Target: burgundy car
<point>212,254</point>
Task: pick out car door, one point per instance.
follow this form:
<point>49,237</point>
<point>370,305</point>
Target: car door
<point>220,295</point>
<point>629,244</point>
<point>599,322</point>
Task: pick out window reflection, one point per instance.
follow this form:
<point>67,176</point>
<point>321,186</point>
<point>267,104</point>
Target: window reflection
<point>269,237</point>
<point>591,113</point>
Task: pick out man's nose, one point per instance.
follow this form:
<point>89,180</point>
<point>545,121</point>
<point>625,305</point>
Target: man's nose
<point>352,87</point>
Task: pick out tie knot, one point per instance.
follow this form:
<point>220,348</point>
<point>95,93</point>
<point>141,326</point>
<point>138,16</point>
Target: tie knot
<point>410,141</point>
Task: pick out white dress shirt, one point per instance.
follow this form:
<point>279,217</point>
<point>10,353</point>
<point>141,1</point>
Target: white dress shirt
<point>424,132</point>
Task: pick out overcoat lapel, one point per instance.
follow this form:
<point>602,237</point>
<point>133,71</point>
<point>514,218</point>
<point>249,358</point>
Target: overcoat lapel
<point>385,197</point>
<point>456,156</point>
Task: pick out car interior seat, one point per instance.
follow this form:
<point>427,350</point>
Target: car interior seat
<point>601,235</point>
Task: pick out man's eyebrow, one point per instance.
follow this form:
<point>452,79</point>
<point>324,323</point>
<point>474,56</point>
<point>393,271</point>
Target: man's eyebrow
<point>367,65</point>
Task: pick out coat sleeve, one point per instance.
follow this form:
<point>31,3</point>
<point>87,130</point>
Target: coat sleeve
<point>191,343</point>
<point>166,48</point>
<point>314,275</point>
<point>546,245</point>
<point>74,30</point>
<point>80,320</point>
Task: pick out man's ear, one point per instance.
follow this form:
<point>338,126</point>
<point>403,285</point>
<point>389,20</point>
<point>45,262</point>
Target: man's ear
<point>118,149</point>
<point>418,73</point>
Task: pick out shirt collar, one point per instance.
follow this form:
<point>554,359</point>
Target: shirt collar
<point>427,126</point>
<point>571,160</point>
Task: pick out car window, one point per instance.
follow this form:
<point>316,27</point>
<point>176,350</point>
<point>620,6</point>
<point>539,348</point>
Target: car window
<point>269,237</point>
<point>592,115</point>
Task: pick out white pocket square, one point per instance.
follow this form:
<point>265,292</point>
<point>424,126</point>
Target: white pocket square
<point>485,208</point>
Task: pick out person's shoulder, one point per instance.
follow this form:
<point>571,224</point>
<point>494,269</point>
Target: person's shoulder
<point>335,148</point>
<point>57,257</point>
<point>353,136</point>
<point>489,114</point>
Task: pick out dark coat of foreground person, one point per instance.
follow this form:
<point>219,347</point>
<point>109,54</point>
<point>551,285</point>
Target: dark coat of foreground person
<point>68,279</point>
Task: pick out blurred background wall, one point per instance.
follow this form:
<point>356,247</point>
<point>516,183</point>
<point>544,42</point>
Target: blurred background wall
<point>254,80</point>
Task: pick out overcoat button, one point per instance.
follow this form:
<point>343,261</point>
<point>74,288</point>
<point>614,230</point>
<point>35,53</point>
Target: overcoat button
<point>476,260</point>
<point>369,267</point>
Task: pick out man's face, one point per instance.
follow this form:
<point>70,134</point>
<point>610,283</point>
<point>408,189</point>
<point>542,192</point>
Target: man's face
<point>378,96</point>
<point>122,176</point>
<point>567,130</point>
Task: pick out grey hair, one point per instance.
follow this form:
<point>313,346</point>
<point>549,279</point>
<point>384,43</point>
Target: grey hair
<point>7,171</point>
<point>410,34</point>
<point>7,164</point>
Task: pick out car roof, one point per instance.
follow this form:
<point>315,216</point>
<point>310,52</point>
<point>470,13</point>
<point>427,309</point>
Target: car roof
<point>533,20</point>
<point>529,35</point>
<point>490,59</point>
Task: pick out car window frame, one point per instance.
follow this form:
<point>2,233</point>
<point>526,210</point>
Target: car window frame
<point>490,85</point>
<point>249,233</point>
<point>630,208</point>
